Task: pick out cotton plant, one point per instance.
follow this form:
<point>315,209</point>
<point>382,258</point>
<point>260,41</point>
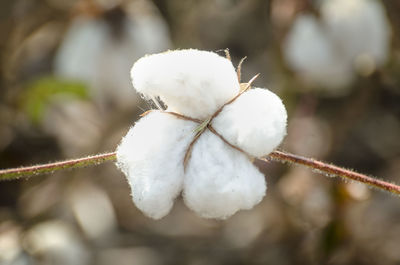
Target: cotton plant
<point>350,36</point>
<point>203,143</point>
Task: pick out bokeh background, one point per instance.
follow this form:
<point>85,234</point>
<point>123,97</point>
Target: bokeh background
<point>65,92</point>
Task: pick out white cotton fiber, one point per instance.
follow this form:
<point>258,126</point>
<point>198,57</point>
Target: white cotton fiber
<point>220,180</point>
<point>217,179</point>
<point>151,156</point>
<point>192,82</point>
<point>254,122</point>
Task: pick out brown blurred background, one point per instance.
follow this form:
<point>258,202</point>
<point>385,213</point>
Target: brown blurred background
<point>65,92</point>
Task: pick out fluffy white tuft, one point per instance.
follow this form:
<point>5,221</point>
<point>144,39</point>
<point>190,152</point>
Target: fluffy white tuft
<point>254,122</point>
<point>192,82</point>
<point>151,156</point>
<point>220,180</point>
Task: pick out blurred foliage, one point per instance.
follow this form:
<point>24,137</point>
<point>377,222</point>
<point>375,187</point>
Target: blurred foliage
<point>39,93</point>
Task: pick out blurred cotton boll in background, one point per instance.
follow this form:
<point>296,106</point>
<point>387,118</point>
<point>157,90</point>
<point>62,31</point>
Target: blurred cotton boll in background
<point>310,52</point>
<point>100,50</point>
<point>351,36</point>
<point>359,28</point>
<point>55,242</point>
<point>92,210</point>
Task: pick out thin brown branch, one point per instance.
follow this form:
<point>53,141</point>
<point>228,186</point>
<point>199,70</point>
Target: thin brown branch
<point>333,170</point>
<point>280,156</point>
<point>16,173</point>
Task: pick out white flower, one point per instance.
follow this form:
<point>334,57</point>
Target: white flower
<point>218,180</point>
<point>350,36</point>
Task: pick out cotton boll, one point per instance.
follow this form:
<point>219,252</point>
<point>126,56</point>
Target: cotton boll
<point>192,82</point>
<point>351,35</point>
<point>311,52</point>
<point>220,180</point>
<point>151,156</point>
<point>359,27</point>
<point>307,45</point>
<point>91,52</point>
<point>79,52</point>
<point>254,122</point>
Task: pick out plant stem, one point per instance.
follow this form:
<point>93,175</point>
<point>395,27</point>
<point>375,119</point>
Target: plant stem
<point>280,156</point>
<point>16,173</point>
<point>334,171</point>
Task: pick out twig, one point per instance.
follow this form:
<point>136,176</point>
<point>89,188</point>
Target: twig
<point>17,173</point>
<point>332,170</point>
<point>280,156</point>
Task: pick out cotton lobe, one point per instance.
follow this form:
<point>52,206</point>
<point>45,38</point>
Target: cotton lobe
<point>151,157</point>
<point>191,82</point>
<point>255,122</point>
<point>218,180</point>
